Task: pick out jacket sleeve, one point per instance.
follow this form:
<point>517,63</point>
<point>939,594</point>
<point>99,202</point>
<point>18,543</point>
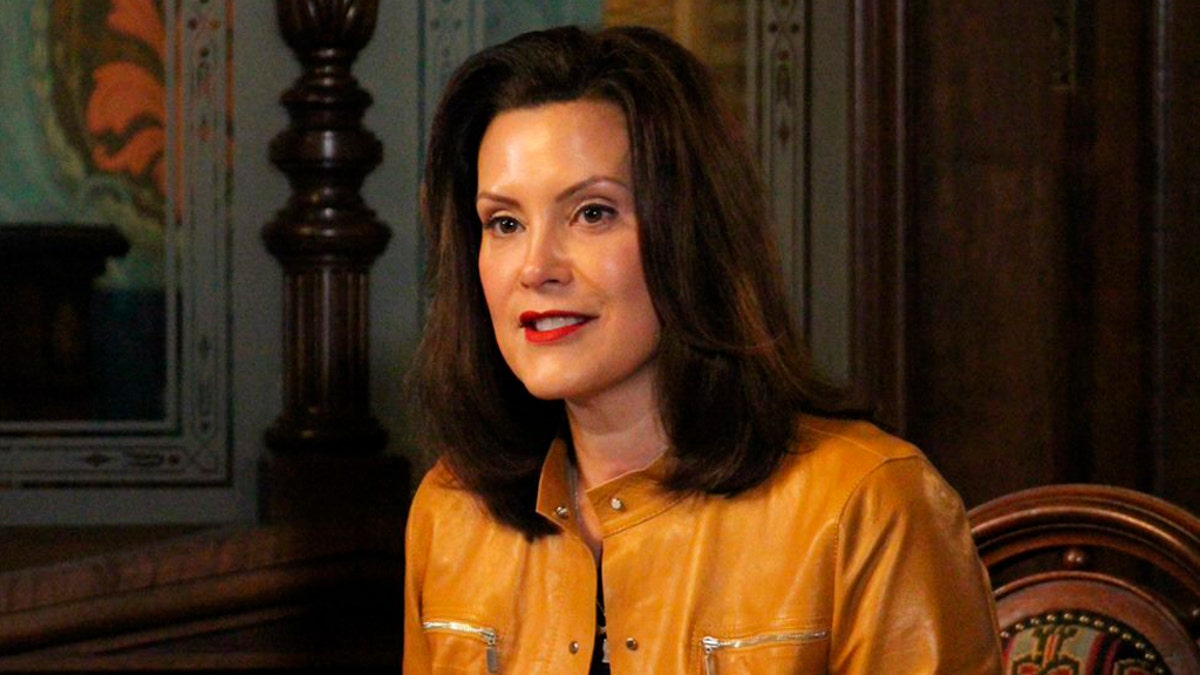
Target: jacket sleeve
<point>416,557</point>
<point>911,595</point>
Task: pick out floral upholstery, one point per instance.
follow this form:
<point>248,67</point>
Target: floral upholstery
<point>1077,643</point>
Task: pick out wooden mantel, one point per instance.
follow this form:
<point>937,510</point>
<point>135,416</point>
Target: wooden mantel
<point>278,599</point>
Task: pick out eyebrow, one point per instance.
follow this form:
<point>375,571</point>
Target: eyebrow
<point>566,194</point>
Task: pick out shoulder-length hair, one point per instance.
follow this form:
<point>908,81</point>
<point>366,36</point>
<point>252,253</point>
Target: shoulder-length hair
<point>732,371</point>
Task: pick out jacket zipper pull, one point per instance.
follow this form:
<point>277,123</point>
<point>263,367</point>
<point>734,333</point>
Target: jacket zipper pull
<point>711,644</point>
<point>490,638</point>
<point>493,654</point>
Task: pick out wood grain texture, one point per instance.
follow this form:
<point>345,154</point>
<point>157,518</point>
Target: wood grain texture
<point>279,598</point>
<point>1027,240</point>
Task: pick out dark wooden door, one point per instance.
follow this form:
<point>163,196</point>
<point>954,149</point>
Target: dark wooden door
<point>1027,197</point>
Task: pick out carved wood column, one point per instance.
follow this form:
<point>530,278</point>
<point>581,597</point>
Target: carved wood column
<point>326,237</point>
<point>326,458</point>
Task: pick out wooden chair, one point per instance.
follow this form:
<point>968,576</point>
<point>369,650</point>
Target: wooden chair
<point>1092,580</point>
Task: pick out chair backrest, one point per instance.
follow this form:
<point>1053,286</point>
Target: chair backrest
<point>1092,580</point>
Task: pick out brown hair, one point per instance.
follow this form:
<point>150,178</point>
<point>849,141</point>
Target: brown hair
<point>732,371</point>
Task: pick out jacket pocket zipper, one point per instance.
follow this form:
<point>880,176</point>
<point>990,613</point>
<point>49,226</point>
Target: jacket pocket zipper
<point>713,645</point>
<point>488,635</point>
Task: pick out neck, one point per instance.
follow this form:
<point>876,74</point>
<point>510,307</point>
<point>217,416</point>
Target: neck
<point>611,441</point>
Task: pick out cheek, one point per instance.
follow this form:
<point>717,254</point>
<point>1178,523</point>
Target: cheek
<point>647,317</point>
<point>619,264</point>
<point>490,280</point>
<point>628,267</point>
<point>628,279</point>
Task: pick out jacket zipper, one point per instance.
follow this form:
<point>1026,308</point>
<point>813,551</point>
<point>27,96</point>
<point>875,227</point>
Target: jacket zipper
<point>488,635</point>
<point>713,645</point>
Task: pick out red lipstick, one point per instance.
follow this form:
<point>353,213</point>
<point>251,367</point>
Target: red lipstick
<point>542,327</point>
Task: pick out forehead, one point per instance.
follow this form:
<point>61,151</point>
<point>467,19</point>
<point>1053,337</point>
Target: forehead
<point>555,136</point>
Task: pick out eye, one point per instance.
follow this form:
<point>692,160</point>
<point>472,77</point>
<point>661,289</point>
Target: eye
<point>596,213</point>
<point>502,225</point>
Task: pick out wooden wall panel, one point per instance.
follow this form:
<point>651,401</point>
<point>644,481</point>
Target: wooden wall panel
<point>1176,252</point>
<point>1113,206</point>
<point>1025,219</point>
<point>989,337</point>
<point>879,211</point>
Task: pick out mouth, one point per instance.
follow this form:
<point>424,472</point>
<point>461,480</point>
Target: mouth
<point>550,326</point>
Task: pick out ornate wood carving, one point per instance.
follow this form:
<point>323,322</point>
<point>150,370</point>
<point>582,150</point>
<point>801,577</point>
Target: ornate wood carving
<point>1123,554</point>
<point>326,237</point>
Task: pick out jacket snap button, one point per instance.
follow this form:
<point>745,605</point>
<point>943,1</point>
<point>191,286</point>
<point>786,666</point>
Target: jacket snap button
<point>631,644</point>
<point>562,512</point>
<point>574,647</point>
<point>617,504</point>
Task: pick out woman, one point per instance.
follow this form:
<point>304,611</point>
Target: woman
<point>635,471</point>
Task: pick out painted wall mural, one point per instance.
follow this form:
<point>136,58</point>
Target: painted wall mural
<point>115,115</point>
<point>83,130</point>
<point>83,137</point>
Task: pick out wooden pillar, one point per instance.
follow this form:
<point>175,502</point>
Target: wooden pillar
<point>326,446</point>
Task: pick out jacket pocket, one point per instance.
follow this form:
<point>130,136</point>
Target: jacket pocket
<point>784,651</point>
<point>458,646</point>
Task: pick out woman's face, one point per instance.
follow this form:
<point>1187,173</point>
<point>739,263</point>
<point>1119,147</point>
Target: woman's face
<point>559,260</point>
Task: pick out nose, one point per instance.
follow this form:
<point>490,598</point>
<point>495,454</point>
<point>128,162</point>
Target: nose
<point>546,259</point>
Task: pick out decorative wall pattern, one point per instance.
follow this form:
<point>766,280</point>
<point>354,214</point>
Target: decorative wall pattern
<point>779,118</point>
<point>455,29</point>
<point>85,135</point>
<point>798,98</point>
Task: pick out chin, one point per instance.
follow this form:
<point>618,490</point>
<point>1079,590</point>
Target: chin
<point>550,388</point>
<point>547,381</point>
<point>547,392</point>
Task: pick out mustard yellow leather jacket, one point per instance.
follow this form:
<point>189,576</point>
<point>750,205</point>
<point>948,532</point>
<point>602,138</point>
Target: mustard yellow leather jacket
<point>855,558</point>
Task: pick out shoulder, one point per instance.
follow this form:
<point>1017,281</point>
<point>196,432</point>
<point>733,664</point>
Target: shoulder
<point>441,507</point>
<point>851,439</point>
<point>902,557</point>
<point>847,451</point>
<point>859,465</point>
<point>437,487</point>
